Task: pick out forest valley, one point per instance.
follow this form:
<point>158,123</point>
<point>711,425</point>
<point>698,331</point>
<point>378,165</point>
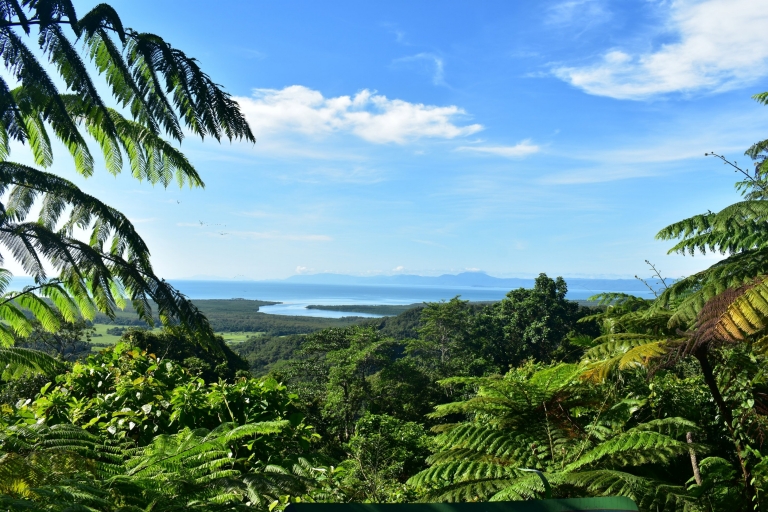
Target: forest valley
<point>664,401</point>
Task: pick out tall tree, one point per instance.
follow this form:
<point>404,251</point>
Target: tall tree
<point>530,324</point>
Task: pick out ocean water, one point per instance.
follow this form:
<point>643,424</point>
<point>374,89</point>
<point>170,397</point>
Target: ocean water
<point>295,297</point>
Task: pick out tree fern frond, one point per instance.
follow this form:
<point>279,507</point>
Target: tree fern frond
<point>525,487</point>
<point>691,293</point>
<point>632,447</point>
<point>13,359</point>
<point>612,344</point>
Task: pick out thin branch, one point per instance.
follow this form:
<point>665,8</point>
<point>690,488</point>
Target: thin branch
<point>657,273</point>
<point>739,169</point>
<point>655,294</point>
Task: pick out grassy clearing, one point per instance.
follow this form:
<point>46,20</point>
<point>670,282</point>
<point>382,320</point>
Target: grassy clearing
<point>102,338</point>
<point>105,339</point>
<point>238,337</point>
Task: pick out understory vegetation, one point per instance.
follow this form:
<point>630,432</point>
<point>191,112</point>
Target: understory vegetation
<point>664,401</point>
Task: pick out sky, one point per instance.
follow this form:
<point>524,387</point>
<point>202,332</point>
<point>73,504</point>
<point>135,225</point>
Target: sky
<point>441,137</point>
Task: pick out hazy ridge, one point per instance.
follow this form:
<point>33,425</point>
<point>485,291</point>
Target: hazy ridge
<point>469,279</point>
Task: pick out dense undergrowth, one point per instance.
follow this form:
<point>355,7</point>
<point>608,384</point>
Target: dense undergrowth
<point>358,415</point>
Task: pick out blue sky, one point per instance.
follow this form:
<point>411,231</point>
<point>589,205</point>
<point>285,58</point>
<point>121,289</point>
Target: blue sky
<point>433,137</point>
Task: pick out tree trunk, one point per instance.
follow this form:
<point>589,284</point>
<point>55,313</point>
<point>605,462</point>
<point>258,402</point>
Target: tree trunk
<point>694,461</point>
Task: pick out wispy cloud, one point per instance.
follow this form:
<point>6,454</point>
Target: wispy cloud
<point>250,53</point>
<point>599,174</point>
<point>357,175</point>
<point>429,242</point>
<point>585,13</point>
<point>722,44</point>
<point>400,36</point>
<point>276,235</point>
<point>670,149</point>
<point>519,150</point>
<point>369,116</point>
<point>436,66</point>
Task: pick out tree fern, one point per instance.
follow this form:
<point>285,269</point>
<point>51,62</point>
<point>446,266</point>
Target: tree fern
<point>739,231</point>
<point>166,93</point>
<point>65,466</point>
<point>552,420</point>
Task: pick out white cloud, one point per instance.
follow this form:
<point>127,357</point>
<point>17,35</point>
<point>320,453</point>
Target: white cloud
<point>372,117</point>
<point>519,150</point>
<point>398,268</point>
<point>721,44</point>
<point>303,270</point>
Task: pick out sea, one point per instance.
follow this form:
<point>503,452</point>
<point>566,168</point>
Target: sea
<point>295,297</point>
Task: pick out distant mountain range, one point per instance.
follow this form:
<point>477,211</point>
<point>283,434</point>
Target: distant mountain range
<point>470,279</point>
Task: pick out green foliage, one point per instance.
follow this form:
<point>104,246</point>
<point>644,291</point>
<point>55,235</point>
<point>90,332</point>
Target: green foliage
<point>174,344</point>
<point>332,377</point>
<point>70,342</point>
<point>623,313</point>
<point>125,430</point>
<point>581,435</point>
<point>62,467</point>
<point>383,453</point>
<point>532,324</point>
<point>401,327</point>
<point>124,393</point>
<point>18,362</point>
<point>264,353</point>
<point>446,341</point>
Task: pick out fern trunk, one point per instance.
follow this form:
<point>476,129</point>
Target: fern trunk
<point>725,412</point>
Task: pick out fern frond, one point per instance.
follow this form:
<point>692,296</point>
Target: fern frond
<point>632,448</point>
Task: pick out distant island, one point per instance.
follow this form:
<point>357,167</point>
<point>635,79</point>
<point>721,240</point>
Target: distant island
<point>469,279</point>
